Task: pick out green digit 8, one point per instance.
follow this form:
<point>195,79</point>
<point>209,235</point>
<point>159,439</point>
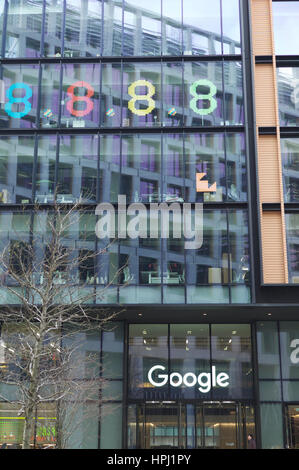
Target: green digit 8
<point>209,96</point>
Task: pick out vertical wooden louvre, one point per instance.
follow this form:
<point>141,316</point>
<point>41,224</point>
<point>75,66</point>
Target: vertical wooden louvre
<point>272,230</point>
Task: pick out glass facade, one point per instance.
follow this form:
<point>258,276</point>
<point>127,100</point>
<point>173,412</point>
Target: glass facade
<point>277,345</point>
<point>146,100</point>
<point>84,427</point>
<point>284,16</point>
<point>93,28</point>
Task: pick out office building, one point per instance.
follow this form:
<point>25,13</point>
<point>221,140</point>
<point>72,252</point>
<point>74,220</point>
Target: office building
<point>174,101</point>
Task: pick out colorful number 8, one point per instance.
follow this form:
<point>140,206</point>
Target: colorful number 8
<point>86,99</point>
<point>24,99</point>
<point>147,97</point>
<point>208,96</point>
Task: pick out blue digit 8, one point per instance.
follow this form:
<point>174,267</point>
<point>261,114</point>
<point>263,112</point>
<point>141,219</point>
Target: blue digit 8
<point>24,99</point>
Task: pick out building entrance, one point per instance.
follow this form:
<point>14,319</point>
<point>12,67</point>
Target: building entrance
<point>210,425</point>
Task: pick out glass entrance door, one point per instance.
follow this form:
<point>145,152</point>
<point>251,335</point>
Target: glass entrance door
<point>185,425</point>
<point>218,426</point>
<point>292,415</point>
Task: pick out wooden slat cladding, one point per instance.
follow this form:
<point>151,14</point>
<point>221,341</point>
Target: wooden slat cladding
<point>272,229</point>
<point>265,97</point>
<point>261,32</point>
<point>273,256</point>
<point>268,169</point>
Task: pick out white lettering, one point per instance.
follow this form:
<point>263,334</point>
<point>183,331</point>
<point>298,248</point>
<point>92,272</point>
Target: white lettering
<point>294,357</point>
<point>205,380</point>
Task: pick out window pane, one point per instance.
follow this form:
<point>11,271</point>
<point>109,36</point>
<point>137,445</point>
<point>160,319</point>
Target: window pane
<point>24,26</point>
<point>289,345</point>
<point>111,426</point>
<point>77,169</point>
<point>272,428</point>
<point>16,160</point>
<point>202,27</point>
<point>288,95</point>
<point>50,95</point>
<point>111,95</point>
<point>172,27</point>
<point>285,20</point>
<point>141,167</point>
<point>290,161</point>
<point>173,94</point>
<point>142,28</point>
<point>1,25</point>
<point>148,347</point>
<point>238,262</point>
<point>208,264</point>
<point>270,390</point>
<point>21,92</point>
<point>83,28</point>
<point>190,352</point>
<point>53,28</point>
<point>141,95</point>
<point>203,88</point>
<point>113,352</point>
<point>292,229</point>
<point>80,95</point>
<point>268,350</point>
<point>112,28</point>
<point>231,354</point>
<point>231,27</point>
<point>109,168</point>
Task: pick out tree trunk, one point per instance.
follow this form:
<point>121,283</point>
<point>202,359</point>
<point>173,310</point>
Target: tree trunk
<point>32,396</point>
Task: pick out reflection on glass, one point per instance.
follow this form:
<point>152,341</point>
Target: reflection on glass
<point>78,158</point>
<point>231,27</point>
<point>147,348</point>
<point>83,28</point>
<point>54,19</point>
<point>238,262</point>
<point>1,25</point>
<point>142,28</point>
<point>19,92</point>
<point>80,95</point>
<point>112,39</point>
<point>189,352</point>
<point>288,95</point>
<point>173,94</point>
<point>231,354</point>
<point>16,167</point>
<point>285,21</point>
<point>208,264</point>
<point>109,168</point>
<point>141,95</point>
<point>290,160</point>
<point>268,350</point>
<point>23,30</point>
<point>289,335</point>
<point>50,95</point>
<point>201,27</point>
<point>293,426</point>
<point>111,95</point>
<point>292,230</point>
<point>172,27</point>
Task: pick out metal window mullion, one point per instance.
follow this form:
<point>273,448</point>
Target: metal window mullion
<point>63,27</point>
<point>229,280</point>
<point>42,41</point>
<point>4,29</point>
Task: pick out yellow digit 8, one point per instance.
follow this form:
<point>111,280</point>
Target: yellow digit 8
<point>148,97</point>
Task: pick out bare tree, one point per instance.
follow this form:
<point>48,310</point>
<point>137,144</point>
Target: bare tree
<point>53,277</point>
